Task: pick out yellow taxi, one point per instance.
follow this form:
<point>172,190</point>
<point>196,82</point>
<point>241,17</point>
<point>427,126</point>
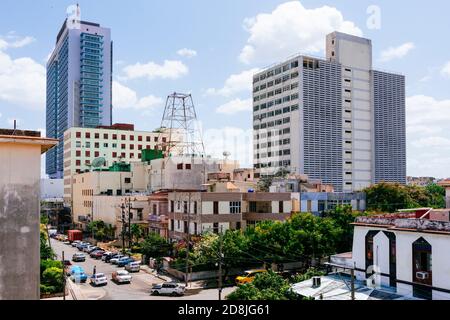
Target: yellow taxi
<point>249,276</point>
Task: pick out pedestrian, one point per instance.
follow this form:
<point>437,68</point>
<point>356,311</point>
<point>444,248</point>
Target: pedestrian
<point>95,270</point>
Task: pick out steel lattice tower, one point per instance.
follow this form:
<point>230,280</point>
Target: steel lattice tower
<point>180,119</point>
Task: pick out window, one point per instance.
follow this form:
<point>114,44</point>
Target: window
<point>281,206</point>
<point>114,136</point>
<point>114,154</point>
<point>97,145</point>
<point>131,138</point>
<point>139,138</point>
<point>180,166</point>
<point>97,154</point>
<point>78,134</point>
<point>105,145</point>
<point>185,207</point>
<point>88,153</point>
<point>235,207</point>
<point>78,144</point>
<point>131,155</point>
<point>78,163</point>
<point>78,153</point>
<point>172,206</point>
<point>195,207</point>
<point>123,146</point>
<point>216,227</point>
<point>97,135</point>
<point>140,147</point>
<point>216,207</point>
<point>88,135</point>
<point>105,136</point>
<point>131,146</point>
<point>88,144</point>
<point>188,166</point>
<point>252,206</point>
<point>123,137</point>
<point>127,180</point>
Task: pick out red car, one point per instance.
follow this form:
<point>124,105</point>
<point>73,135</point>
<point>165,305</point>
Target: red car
<point>97,254</point>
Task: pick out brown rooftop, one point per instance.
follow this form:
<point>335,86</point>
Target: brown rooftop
<point>21,133</point>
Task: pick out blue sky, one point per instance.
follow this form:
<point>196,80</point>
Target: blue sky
<point>225,42</point>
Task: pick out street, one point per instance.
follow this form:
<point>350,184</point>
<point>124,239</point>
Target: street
<point>137,290</point>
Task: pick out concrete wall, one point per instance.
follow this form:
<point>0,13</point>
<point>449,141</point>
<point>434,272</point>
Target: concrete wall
<point>19,221</point>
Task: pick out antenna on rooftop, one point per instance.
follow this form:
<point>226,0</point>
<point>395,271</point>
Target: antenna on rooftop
<point>181,124</point>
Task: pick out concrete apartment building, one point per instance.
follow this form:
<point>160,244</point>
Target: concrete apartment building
<point>79,80</point>
<point>20,169</point>
<point>334,119</point>
<point>119,142</point>
<point>408,252</point>
<point>220,211</point>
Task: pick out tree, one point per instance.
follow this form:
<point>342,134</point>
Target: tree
<point>436,195</point>
<point>53,277</point>
<point>265,286</point>
<point>136,232</point>
<point>155,246</point>
<point>45,250</point>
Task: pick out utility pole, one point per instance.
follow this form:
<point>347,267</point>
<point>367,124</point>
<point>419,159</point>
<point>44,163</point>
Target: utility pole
<point>129,223</point>
<point>352,275</point>
<point>123,228</point>
<point>64,277</point>
<point>188,240</point>
<point>220,261</point>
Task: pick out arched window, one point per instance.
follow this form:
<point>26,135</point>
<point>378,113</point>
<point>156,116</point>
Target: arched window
<point>422,269</point>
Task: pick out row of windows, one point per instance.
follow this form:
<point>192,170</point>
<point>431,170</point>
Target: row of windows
<point>271,124</point>
<point>123,155</point>
<point>272,133</point>
<point>87,135</point>
<point>275,72</point>
<point>277,82</point>
<point>276,112</point>
<point>272,144</point>
<point>123,146</point>
<point>271,94</point>
<point>235,206</point>
<point>285,152</point>
<point>284,163</point>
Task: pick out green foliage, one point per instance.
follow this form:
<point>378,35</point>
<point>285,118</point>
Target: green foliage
<point>136,232</point>
<point>46,251</point>
<point>46,264</point>
<point>102,231</point>
<point>155,246</point>
<point>391,197</point>
<point>265,286</point>
<point>44,219</point>
<point>53,277</point>
<point>48,289</point>
<point>311,272</point>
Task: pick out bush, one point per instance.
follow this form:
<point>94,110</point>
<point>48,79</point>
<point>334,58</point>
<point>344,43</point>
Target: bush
<point>46,264</point>
<point>47,289</point>
<point>53,277</point>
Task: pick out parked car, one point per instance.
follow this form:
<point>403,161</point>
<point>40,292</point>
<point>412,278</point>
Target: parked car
<point>168,288</point>
<point>67,263</point>
<point>133,267</point>
<point>121,276</point>
<point>248,276</point>
<point>67,242</point>
<point>75,243</point>
<point>77,274</point>
<point>124,261</point>
<point>108,257</point>
<point>105,254</point>
<point>79,257</point>
<point>116,258</point>
<point>98,279</point>
<point>82,245</point>
<point>90,248</point>
<point>97,254</point>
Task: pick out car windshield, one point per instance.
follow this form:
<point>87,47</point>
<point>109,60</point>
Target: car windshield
<point>100,275</point>
<point>122,273</point>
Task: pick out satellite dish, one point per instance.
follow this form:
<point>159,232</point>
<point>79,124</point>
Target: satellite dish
<point>226,154</point>
<point>98,162</point>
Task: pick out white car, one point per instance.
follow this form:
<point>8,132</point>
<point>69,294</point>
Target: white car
<point>121,276</point>
<point>116,259</point>
<point>168,288</point>
<point>133,266</point>
<point>74,244</point>
<point>105,254</point>
<point>99,279</point>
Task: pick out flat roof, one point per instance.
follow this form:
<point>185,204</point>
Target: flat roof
<point>45,143</point>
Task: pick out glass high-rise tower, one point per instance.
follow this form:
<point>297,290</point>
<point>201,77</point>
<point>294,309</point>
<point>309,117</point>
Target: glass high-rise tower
<point>79,81</point>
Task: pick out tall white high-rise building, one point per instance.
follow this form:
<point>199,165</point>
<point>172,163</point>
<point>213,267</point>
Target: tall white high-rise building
<point>334,119</point>
<point>79,74</point>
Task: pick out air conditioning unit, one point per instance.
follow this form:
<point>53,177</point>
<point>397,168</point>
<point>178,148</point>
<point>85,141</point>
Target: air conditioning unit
<point>316,282</point>
<point>422,275</point>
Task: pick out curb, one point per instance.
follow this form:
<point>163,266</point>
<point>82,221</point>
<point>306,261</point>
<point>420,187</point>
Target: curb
<point>153,274</point>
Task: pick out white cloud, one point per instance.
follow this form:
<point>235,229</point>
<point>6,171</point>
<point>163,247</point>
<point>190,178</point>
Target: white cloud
<point>188,53</point>
<point>237,141</point>
<point>22,80</point>
<point>235,83</point>
<point>446,70</point>
<point>235,106</point>
<point>170,69</point>
<point>396,52</point>
<point>126,98</point>
<point>14,42</point>
<point>428,136</point>
<point>289,29</point>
